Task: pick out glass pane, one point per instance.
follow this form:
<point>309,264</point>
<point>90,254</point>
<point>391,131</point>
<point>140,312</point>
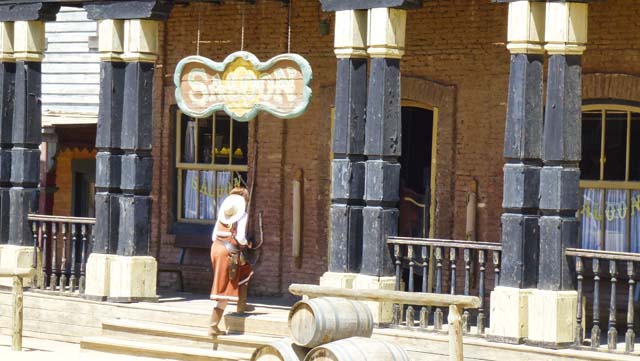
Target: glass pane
<point>615,146</point>
<point>615,238</point>
<point>591,218</point>
<point>634,148</point>
<point>224,186</point>
<point>190,194</point>
<point>222,141</point>
<point>635,221</point>
<point>240,142</point>
<point>207,195</point>
<point>204,140</point>
<point>188,139</point>
<point>591,139</point>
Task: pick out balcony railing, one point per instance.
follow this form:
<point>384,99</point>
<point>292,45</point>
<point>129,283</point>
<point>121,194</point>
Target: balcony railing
<point>433,265</point>
<point>65,243</point>
<point>612,275</point>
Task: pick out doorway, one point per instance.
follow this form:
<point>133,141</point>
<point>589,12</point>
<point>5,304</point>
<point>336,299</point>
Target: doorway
<point>417,171</point>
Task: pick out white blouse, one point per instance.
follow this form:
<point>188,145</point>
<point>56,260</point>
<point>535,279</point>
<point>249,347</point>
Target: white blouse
<point>241,230</point>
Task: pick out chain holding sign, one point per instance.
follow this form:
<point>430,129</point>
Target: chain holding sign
<point>242,86</point>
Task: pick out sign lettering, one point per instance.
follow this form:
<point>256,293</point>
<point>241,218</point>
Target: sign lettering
<point>242,86</point>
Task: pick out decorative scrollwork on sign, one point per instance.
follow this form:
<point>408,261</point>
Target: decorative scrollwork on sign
<point>242,86</point>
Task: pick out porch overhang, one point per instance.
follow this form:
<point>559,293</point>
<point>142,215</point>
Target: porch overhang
<point>338,5</point>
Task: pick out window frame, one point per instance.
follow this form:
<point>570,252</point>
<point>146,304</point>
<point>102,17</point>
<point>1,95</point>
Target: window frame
<point>627,185</point>
<point>181,167</point>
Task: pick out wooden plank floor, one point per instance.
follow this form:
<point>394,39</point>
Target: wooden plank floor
<point>70,319</point>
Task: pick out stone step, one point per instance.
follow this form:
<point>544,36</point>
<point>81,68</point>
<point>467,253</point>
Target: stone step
<point>199,335</point>
<point>158,350</point>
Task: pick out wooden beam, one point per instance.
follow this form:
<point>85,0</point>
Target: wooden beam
<point>23,11</point>
<point>338,5</point>
<point>129,9</point>
<point>17,272</point>
<point>419,299</point>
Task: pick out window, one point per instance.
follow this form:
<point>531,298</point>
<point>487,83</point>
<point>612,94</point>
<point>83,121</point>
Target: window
<point>211,159</point>
<point>610,178</point>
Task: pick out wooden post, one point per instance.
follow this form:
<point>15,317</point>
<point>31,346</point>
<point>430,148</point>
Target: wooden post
<point>455,333</point>
<point>347,184</point>
<point>7,94</point>
<point>16,333</point>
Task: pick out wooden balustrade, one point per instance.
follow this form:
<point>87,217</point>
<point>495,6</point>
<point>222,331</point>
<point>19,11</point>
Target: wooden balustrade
<point>412,257</point>
<point>614,268</point>
<point>65,243</point>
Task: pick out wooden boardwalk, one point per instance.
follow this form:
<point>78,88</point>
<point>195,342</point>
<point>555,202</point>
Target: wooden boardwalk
<point>178,322</point>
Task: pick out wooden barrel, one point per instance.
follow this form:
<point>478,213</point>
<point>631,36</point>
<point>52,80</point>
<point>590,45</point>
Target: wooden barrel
<point>358,349</point>
<point>321,320</point>
<point>281,350</point>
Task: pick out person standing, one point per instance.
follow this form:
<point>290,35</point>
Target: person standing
<point>231,273</point>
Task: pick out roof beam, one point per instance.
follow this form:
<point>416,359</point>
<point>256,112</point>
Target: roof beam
<point>338,5</point>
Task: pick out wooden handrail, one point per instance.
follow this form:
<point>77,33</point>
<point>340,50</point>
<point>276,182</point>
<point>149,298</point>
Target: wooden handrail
<point>444,243</point>
<point>18,302</point>
<point>47,218</point>
<point>409,298</point>
<point>592,253</point>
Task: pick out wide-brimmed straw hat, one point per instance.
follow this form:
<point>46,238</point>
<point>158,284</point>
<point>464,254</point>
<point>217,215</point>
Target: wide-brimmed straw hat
<point>232,209</point>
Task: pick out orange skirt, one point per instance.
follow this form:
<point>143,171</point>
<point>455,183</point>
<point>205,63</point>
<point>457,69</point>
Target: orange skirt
<point>224,287</point>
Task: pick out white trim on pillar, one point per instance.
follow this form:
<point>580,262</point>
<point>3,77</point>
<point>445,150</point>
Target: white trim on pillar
<point>386,33</point>
<point>351,34</point>
<point>111,39</point>
<point>566,28</point>
<point>28,43</point>
<point>140,41</point>
<point>6,41</point>
<point>526,27</point>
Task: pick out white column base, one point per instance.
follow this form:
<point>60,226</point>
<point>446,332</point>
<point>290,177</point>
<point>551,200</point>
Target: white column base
<point>339,280</point>
<point>552,318</point>
<point>509,315</point>
<point>121,279</point>
<point>12,257</point>
<point>382,311</point>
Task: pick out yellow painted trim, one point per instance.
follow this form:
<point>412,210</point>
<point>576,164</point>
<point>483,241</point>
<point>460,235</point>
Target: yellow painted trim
<point>609,184</point>
<point>626,108</point>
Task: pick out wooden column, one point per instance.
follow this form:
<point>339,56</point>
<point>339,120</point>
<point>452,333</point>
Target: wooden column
<point>141,46</point>
<point>347,185</point>
<point>108,144</point>
<point>7,93</point>
<point>523,145</point>
<point>383,129</point>
<point>26,128</point>
<point>566,36</point>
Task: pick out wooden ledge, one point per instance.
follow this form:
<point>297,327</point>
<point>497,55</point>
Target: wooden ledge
<point>409,298</point>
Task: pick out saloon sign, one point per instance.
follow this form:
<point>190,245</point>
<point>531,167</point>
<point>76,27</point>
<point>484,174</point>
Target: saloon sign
<point>242,86</point>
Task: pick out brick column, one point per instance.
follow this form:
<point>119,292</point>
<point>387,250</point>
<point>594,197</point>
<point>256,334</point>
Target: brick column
<point>566,37</point>
<point>523,161</point>
<point>386,32</point>
<point>347,184</point>
<point>7,93</point>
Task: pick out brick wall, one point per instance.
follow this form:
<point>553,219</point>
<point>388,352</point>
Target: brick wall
<point>456,60</point>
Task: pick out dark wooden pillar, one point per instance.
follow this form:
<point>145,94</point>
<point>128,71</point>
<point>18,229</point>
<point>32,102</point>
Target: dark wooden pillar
<point>382,139</point>
<point>347,185</point>
<point>560,176</point>
<point>136,138</point>
<point>522,152</point>
<point>26,128</point>
<point>109,129</point>
<point>7,93</point>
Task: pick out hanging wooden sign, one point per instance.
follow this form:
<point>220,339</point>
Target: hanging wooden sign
<point>242,86</point>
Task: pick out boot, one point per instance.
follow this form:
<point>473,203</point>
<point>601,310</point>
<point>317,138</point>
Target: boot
<point>242,305</point>
<point>216,316</point>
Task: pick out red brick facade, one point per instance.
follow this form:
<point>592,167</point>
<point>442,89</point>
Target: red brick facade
<point>456,61</point>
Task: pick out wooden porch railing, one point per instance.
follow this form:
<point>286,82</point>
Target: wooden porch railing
<point>437,260</point>
<point>65,243</point>
<point>611,269</point>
